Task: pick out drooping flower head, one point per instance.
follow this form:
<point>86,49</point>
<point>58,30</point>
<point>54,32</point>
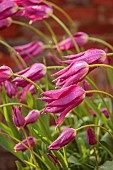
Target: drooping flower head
<point>7,9</point>
<point>105,112</point>
<point>32,117</point>
<point>18,119</point>
<point>10,88</point>
<point>35,72</point>
<point>36,12</point>
<point>72,74</point>
<point>52,158</point>
<point>63,100</point>
<point>80,38</point>
<point>91,56</point>
<point>6,22</point>
<point>87,87</point>
<point>27,2</point>
<point>66,136</point>
<point>22,147</point>
<point>30,50</point>
<point>91,138</point>
<point>5,73</point>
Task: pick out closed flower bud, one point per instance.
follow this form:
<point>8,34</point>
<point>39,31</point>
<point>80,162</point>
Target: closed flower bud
<point>21,146</point>
<point>36,12</point>
<point>27,2</point>
<point>72,74</point>
<point>30,50</point>
<point>35,72</point>
<point>66,136</point>
<point>4,23</point>
<point>105,112</point>
<point>91,56</point>
<point>5,73</point>
<point>53,158</point>
<point>92,113</point>
<point>80,38</point>
<point>10,88</point>
<point>7,9</point>
<point>87,87</point>
<point>63,100</point>
<point>18,119</point>
<point>32,117</point>
<point>91,138</point>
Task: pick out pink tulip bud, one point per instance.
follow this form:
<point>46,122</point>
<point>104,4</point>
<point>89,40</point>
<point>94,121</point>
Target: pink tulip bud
<point>53,158</point>
<point>92,113</point>
<point>87,87</point>
<point>5,73</point>
<point>10,88</point>
<point>66,136</point>
<point>72,74</point>
<point>35,72</point>
<point>105,112</point>
<point>91,138</point>
<point>63,100</point>
<point>21,146</point>
<point>32,117</point>
<point>7,9</point>
<point>80,38</point>
<point>30,50</point>
<point>18,119</point>
<point>4,23</point>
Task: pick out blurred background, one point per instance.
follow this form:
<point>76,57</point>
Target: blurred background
<point>95,17</point>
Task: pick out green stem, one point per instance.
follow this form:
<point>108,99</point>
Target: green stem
<point>15,52</point>
<point>109,54</point>
<point>94,125</point>
<point>12,104</point>
<point>32,28</point>
<point>67,31</point>
<point>55,67</point>
<point>102,42</point>
<point>98,91</point>
<point>30,149</point>
<point>30,81</point>
<point>96,158</point>
<point>64,13</point>
<point>53,36</point>
<point>65,156</point>
<point>101,65</point>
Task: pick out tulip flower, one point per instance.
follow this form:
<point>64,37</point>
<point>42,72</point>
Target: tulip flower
<point>35,72</point>
<point>32,117</point>
<point>80,38</point>
<point>18,119</point>
<point>87,87</point>
<point>7,9</point>
<point>63,100</point>
<point>5,73</point>
<point>30,50</point>
<point>4,23</point>
<point>66,136</point>
<point>27,2</point>
<point>91,56</point>
<point>21,146</point>
<point>105,112</point>
<point>92,113</point>
<point>72,74</point>
<point>91,138</point>
<point>10,88</point>
<point>36,12</point>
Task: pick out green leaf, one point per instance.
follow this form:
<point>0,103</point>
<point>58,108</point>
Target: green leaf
<point>30,100</point>
<point>5,128</point>
<point>108,165</point>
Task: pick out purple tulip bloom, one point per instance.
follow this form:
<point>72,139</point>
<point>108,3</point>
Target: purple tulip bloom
<point>30,50</point>
<point>52,158</point>
<point>35,72</point>
<point>63,100</point>
<point>21,146</point>
<point>36,12</point>
<point>27,2</point>
<point>87,87</point>
<point>32,117</point>
<point>5,73</point>
<point>4,23</point>
<point>91,138</point>
<point>66,136</point>
<point>81,39</point>
<point>18,119</point>
<point>91,56</point>
<point>7,9</point>
<point>72,74</point>
<point>10,88</point>
<point>105,112</point>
